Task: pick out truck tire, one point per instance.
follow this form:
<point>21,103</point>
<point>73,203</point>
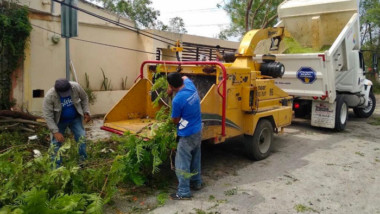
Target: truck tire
<point>259,145</point>
<point>367,111</point>
<point>341,113</point>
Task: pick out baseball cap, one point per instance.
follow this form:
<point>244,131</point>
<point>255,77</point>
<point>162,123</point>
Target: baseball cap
<point>63,87</point>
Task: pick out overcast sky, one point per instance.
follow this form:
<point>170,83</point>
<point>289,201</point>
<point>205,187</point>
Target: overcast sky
<point>201,17</point>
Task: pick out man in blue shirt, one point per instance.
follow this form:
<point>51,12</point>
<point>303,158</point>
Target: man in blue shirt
<point>186,114</point>
<point>66,106</point>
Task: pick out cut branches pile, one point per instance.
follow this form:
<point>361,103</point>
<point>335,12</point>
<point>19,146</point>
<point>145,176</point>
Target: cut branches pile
<point>16,120</point>
<point>31,183</point>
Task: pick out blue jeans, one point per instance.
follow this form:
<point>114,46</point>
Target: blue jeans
<point>188,163</point>
<point>76,127</point>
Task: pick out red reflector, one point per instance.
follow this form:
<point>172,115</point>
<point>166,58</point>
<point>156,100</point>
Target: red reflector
<point>315,98</point>
<point>325,96</point>
<point>322,56</point>
<point>296,105</point>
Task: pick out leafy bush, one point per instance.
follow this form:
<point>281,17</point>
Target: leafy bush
<point>31,183</point>
<point>376,85</point>
<point>15,29</point>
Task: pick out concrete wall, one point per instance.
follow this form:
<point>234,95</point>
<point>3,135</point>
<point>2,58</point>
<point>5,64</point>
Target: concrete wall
<point>45,60</point>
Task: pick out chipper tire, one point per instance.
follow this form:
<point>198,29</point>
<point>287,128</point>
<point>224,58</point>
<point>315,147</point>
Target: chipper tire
<point>367,111</point>
<point>259,145</point>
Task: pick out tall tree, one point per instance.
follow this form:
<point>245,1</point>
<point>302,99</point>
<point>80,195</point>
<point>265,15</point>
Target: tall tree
<point>370,29</point>
<point>177,25</point>
<point>137,10</point>
<point>249,14</point>
<point>370,20</point>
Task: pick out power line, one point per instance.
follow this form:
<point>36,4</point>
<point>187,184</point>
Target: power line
<point>136,30</point>
<point>99,43</point>
<point>196,10</point>
<point>207,25</point>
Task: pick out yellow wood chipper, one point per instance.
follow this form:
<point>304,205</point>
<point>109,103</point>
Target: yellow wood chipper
<point>238,98</point>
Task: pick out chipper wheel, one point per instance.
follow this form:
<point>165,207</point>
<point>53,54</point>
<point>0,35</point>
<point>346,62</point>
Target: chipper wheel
<point>259,145</point>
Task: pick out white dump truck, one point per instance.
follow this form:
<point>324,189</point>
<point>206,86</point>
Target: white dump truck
<point>325,84</point>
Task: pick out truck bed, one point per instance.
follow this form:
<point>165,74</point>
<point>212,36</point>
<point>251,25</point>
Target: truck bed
<point>305,75</point>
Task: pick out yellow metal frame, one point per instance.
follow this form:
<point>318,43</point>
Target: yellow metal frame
<point>250,96</point>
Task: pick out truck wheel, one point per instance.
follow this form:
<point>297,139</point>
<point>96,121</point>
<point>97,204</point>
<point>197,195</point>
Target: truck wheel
<point>341,113</point>
<point>259,145</point>
<point>367,111</point>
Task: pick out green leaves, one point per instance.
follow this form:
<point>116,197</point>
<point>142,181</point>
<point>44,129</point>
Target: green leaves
<point>177,25</point>
<point>138,11</point>
<point>261,14</point>
<point>35,185</point>
<point>96,205</point>
<point>14,31</point>
<point>33,201</point>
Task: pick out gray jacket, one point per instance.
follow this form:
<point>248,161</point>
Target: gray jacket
<point>52,107</point>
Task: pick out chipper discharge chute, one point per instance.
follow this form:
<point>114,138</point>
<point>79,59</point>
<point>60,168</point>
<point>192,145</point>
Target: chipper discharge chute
<point>238,98</point>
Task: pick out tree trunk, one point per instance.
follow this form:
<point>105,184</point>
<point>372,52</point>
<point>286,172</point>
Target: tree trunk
<point>18,114</point>
<point>265,25</point>
<point>256,11</point>
<point>249,6</point>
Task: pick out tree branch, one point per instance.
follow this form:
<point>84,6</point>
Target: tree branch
<point>18,114</point>
<point>248,9</point>
<point>256,11</point>
<point>267,10</point>
<point>365,33</point>
<point>22,121</point>
<point>265,25</point>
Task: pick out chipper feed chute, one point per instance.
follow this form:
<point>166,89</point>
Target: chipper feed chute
<point>133,112</point>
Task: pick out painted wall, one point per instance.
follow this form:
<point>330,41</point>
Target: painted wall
<point>45,60</point>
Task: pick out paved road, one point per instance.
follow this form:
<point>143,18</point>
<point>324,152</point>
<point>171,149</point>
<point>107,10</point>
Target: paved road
<point>311,170</point>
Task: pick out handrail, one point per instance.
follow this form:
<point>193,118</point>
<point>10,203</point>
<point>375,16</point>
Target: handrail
<point>224,81</point>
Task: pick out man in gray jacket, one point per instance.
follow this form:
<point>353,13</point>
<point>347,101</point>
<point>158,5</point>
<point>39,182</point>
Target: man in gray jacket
<point>66,106</point>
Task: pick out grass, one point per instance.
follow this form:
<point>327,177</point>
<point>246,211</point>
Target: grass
<point>230,192</point>
<point>360,154</point>
<point>291,177</point>
<point>375,121</point>
<point>221,201</point>
<point>200,211</point>
<point>162,198</point>
<point>300,208</point>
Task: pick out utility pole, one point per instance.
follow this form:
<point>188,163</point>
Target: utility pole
<point>69,26</point>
